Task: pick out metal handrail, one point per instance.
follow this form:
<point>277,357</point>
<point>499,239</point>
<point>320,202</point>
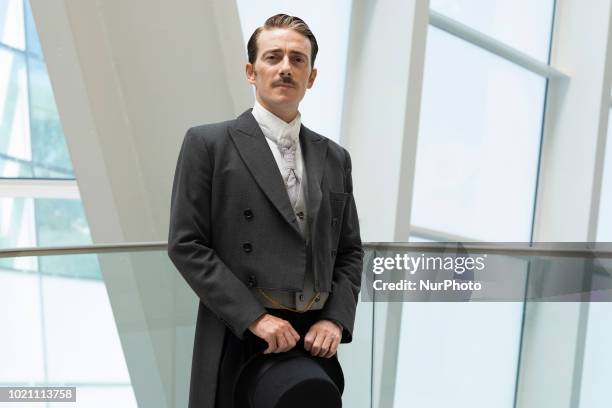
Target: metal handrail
<point>84,249</point>
<point>564,249</point>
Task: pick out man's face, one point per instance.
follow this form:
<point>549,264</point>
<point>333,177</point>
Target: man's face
<point>281,72</point>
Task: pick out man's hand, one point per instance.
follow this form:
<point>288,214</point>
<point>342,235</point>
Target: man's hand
<point>277,332</point>
<point>323,338</point>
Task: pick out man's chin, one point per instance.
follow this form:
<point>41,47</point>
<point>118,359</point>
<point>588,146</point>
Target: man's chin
<point>285,94</point>
<point>284,100</point>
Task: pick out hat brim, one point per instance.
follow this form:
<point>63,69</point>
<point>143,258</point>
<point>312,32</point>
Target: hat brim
<point>331,366</point>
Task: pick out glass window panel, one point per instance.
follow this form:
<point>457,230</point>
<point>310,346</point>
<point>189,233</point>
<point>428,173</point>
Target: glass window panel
<point>14,116</point>
<point>31,35</point>
<point>49,150</point>
<point>467,350</point>
<point>49,341</point>
<point>604,227</point>
<point>83,266</point>
<point>322,105</point>
<point>62,223</point>
<point>82,342</point>
<point>27,222</point>
<point>597,366</point>
<point>11,23</point>
<point>14,168</point>
<point>478,144</point>
<point>17,225</point>
<point>21,347</point>
<point>30,127</point>
<point>522,24</point>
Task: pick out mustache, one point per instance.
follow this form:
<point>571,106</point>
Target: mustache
<point>285,81</point>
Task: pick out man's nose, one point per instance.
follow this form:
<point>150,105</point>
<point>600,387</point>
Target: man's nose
<point>285,66</point>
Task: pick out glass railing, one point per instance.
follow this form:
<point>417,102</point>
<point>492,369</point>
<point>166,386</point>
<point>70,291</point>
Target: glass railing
<point>529,328</point>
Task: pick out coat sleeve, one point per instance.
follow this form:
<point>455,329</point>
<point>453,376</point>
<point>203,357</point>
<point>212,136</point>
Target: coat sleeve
<point>189,240</point>
<point>346,280</point>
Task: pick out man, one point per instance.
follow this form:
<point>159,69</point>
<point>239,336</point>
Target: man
<point>263,223</point>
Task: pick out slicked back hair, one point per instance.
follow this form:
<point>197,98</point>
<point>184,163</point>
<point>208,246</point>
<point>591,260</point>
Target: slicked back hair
<point>283,21</point>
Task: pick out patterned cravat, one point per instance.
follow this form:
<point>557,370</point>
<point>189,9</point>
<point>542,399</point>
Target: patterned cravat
<point>287,147</point>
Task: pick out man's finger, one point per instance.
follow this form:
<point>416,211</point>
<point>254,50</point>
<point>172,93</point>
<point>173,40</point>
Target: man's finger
<point>290,341</point>
<point>316,344</point>
<point>281,342</point>
<point>333,348</point>
<point>271,345</point>
<point>309,339</point>
<point>327,341</point>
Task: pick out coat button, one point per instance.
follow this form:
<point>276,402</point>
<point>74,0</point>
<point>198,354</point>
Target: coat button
<point>301,297</point>
<point>247,247</point>
<point>252,281</point>
<point>334,221</point>
<point>334,252</point>
<point>248,214</point>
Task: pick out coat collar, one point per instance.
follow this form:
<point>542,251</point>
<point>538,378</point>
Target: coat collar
<point>255,152</point>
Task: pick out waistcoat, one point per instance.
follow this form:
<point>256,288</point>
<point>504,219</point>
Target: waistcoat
<point>297,300</point>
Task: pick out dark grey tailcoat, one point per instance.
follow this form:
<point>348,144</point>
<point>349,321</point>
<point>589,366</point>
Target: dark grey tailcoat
<point>232,229</point>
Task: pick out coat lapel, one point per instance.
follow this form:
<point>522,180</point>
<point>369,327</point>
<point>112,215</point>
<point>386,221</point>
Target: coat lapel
<point>314,152</point>
<point>255,152</point>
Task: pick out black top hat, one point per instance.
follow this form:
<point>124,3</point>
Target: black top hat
<point>293,379</point>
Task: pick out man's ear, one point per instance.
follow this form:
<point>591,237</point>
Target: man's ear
<point>311,78</point>
<point>250,73</point>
